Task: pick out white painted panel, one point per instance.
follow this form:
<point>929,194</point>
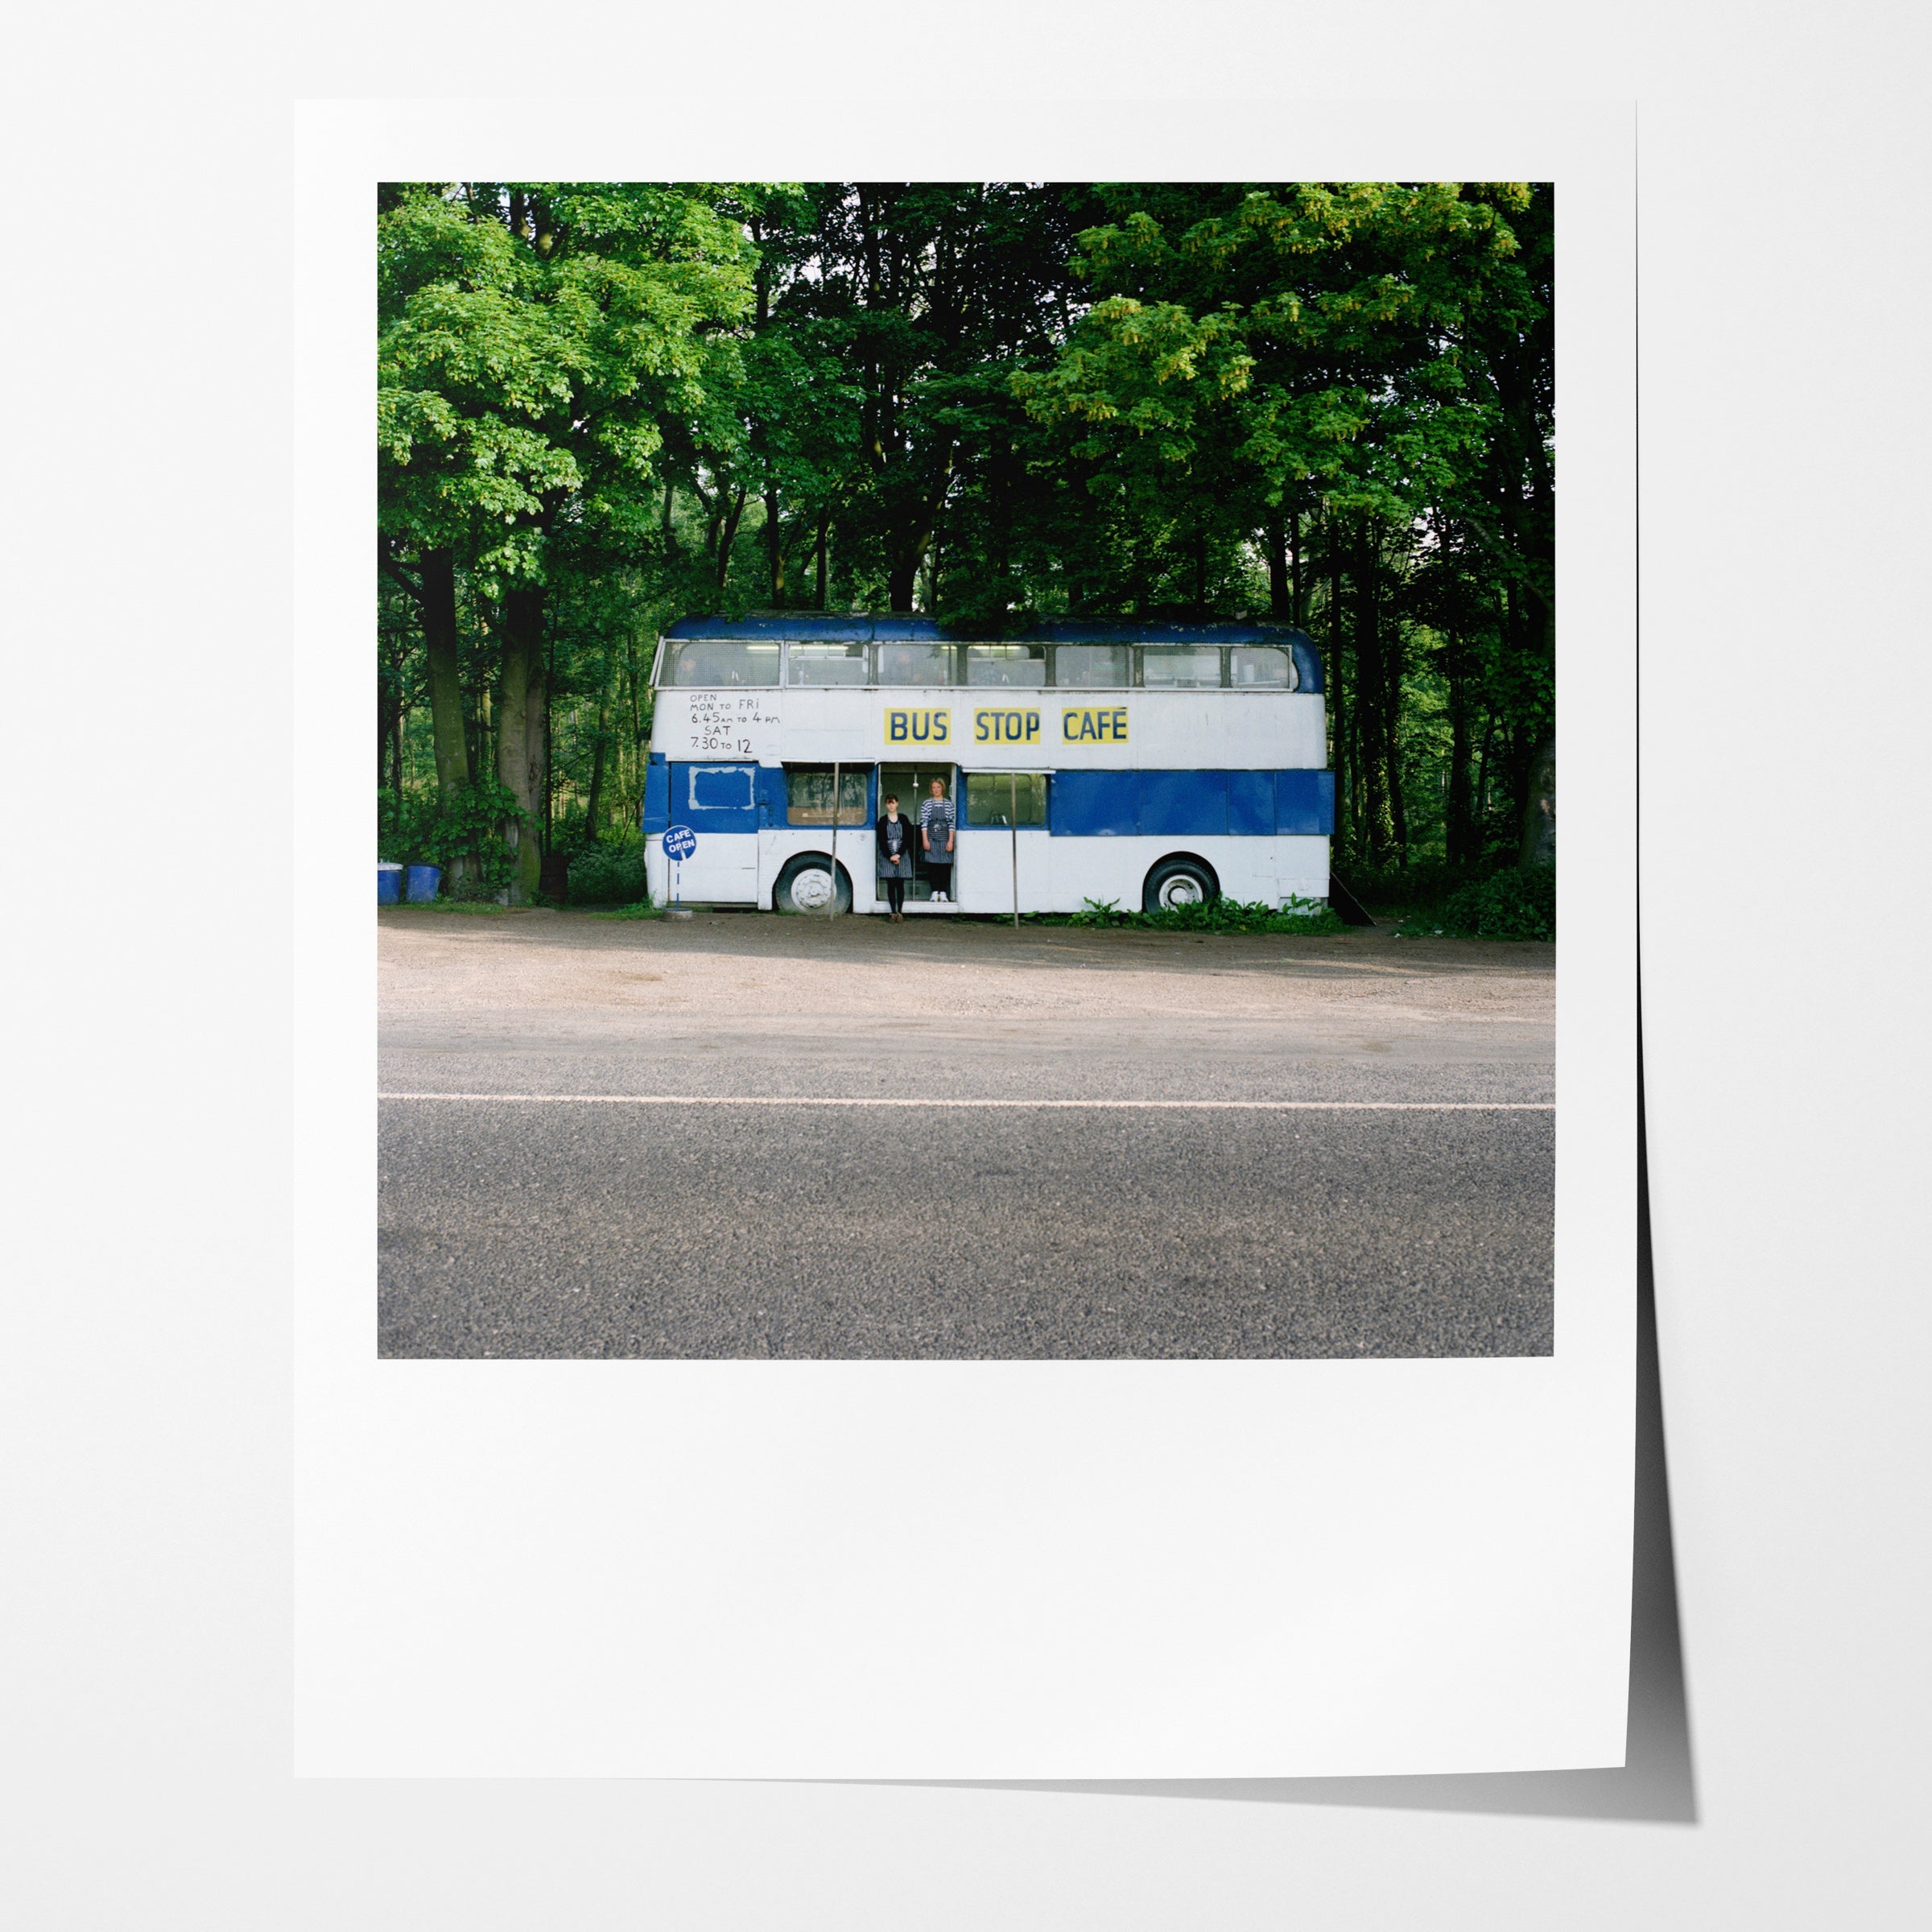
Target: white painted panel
<point>723,870</point>
<point>735,723</point>
<point>1181,730</point>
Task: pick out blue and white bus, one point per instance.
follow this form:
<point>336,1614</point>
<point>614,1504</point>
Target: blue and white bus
<point>1152,765</point>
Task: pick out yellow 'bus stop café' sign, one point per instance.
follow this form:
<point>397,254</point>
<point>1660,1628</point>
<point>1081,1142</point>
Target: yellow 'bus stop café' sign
<point>995,724</point>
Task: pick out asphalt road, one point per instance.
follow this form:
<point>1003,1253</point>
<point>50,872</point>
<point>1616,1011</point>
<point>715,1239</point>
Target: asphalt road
<point>1395,1209</point>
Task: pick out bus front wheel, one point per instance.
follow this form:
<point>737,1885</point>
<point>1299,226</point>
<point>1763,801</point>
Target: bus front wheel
<point>1178,882</point>
<point>805,885</point>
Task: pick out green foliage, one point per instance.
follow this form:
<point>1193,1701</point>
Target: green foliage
<point>608,875</point>
<point>462,834</point>
<point>643,909</point>
<point>535,339</point>
<point>616,404</point>
<point>1296,915</point>
<point>1516,903</point>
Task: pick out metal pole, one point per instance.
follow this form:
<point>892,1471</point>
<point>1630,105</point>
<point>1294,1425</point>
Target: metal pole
<point>831,905</point>
<point>1013,786</point>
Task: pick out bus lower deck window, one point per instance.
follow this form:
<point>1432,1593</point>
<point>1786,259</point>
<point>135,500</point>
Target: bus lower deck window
<point>706,663</point>
<point>993,797</point>
<point>808,795</point>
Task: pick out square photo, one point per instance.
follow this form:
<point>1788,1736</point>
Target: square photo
<point>966,771</point>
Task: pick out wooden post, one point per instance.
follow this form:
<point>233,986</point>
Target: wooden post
<point>831,905</point>
<point>1013,786</point>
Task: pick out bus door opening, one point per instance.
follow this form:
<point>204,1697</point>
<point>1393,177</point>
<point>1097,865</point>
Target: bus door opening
<point>913,783</point>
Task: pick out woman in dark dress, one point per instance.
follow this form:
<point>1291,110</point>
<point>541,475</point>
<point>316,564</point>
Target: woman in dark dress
<point>895,835</point>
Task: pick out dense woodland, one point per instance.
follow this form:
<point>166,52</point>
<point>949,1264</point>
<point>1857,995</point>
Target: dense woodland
<point>604,405</point>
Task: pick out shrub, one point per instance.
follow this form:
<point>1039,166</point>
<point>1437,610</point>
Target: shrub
<point>424,829</point>
<point>1516,903</point>
<point>608,875</point>
<point>1296,916</point>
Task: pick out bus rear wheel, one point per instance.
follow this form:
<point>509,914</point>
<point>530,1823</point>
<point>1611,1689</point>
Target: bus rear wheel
<point>1178,882</point>
<point>805,885</point>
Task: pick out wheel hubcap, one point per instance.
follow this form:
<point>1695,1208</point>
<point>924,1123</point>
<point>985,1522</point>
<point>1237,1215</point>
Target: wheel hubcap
<point>1182,891</point>
<point>811,890</point>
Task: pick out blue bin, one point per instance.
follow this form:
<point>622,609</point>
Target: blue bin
<point>389,885</point>
<point>423,880</point>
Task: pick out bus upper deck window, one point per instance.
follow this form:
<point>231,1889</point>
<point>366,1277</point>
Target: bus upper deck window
<point>1181,666</point>
<point>1261,667</point>
<point>1006,664</point>
<point>825,664</point>
<point>1093,666</point>
<point>705,663</point>
<point>915,663</point>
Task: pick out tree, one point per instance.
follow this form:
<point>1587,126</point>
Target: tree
<point>535,338</point>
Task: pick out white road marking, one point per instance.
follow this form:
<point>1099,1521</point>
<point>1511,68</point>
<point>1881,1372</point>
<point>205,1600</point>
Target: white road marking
<point>741,1100</point>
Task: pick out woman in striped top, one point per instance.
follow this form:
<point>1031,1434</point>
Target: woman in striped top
<point>935,840</point>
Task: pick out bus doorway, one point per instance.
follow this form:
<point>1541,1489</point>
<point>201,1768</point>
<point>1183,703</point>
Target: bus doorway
<point>913,785</point>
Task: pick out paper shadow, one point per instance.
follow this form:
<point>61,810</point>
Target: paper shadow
<point>1656,1783</point>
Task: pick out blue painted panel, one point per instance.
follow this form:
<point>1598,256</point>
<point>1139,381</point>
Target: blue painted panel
<point>1304,802</point>
<point>722,787</point>
<point>771,795</point>
<point>1251,804</point>
<point>1183,804</point>
<point>819,630</point>
<point>714,798</point>
<point>1094,804</point>
<point>657,795</point>
<point>1307,664</point>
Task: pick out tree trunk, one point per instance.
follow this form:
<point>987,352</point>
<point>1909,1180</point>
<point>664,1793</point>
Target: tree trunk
<point>520,704</point>
<point>597,773</point>
<point>1280,595</point>
<point>728,536</point>
<point>1295,606</point>
<point>1338,703</point>
<point>1539,816</point>
<point>445,671</point>
<point>1377,822</point>
<point>774,554</point>
<point>1482,782</point>
<point>1457,816</point>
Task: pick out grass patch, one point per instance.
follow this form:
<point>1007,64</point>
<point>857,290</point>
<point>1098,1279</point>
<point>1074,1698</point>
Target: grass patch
<point>465,906</point>
<point>1298,916</point>
<point>643,909</point>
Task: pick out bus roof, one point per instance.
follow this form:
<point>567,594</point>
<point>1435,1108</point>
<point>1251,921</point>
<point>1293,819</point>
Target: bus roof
<point>861,627</point>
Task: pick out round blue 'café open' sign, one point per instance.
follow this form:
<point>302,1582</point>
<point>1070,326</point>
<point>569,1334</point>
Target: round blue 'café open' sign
<point>680,842</point>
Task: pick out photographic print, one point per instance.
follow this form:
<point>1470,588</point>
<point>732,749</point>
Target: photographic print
<point>966,770</point>
<point>944,1145</point>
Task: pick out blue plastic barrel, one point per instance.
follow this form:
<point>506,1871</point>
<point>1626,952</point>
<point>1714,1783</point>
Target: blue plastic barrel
<point>424,880</point>
<point>389,885</point>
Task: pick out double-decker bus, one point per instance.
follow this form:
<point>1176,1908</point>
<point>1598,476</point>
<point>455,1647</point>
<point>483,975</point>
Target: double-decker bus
<point>1149,765</point>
